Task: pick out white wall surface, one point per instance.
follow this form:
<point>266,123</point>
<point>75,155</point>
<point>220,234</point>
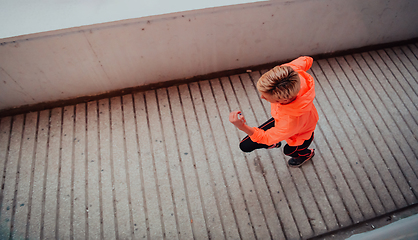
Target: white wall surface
<point>95,59</point>
<point>20,17</point>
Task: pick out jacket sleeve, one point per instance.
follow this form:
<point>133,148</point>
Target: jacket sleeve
<point>303,63</point>
<point>284,128</point>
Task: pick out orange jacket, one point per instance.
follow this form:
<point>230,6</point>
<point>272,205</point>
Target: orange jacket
<point>296,121</point>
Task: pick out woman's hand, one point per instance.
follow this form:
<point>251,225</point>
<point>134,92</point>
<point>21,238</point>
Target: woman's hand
<point>237,119</point>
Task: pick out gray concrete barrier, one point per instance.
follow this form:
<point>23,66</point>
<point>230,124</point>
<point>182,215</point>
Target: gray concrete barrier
<point>96,59</point>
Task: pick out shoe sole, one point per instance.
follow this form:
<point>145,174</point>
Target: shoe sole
<point>300,165</point>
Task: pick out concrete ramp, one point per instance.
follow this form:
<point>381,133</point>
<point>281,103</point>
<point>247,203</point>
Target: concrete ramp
<point>166,164</point>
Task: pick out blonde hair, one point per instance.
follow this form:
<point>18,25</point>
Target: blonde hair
<point>281,82</point>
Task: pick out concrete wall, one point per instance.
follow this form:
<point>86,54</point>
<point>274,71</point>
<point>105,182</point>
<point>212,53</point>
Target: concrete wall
<point>95,59</point>
<point>20,17</point>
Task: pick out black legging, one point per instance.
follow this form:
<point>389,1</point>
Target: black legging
<point>247,145</point>
<point>299,151</point>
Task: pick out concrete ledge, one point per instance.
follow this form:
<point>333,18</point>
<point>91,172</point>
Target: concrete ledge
<point>118,92</point>
<point>371,228</point>
<point>98,59</point>
<point>403,229</point>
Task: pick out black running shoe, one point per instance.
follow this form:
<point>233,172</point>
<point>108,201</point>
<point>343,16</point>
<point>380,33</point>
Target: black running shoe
<point>297,162</point>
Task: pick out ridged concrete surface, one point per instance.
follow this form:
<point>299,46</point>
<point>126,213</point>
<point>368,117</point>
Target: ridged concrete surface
<point>166,163</point>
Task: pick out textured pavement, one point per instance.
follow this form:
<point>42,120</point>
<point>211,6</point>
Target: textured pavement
<point>165,163</point>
